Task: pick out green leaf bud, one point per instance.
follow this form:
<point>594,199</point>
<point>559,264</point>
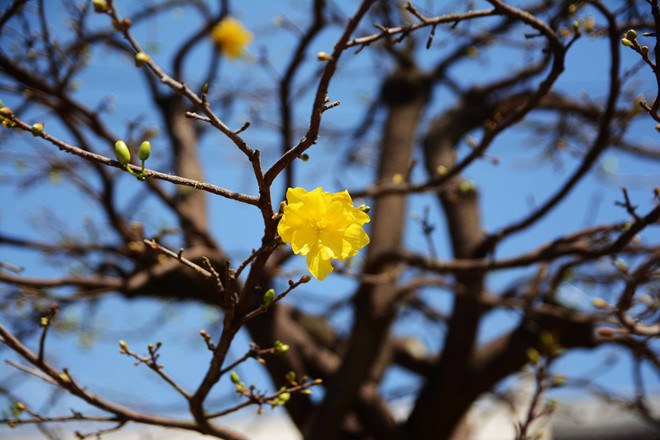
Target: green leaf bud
<point>37,129</point>
<point>631,35</point>
<point>364,208</point>
<point>122,153</point>
<point>141,59</point>
<point>284,397</point>
<point>234,377</point>
<point>145,150</point>
<point>304,157</point>
<point>626,42</point>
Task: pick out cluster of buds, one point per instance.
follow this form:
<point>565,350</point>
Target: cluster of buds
<point>5,116</point>
<point>280,347</point>
<point>123,155</point>
<point>630,40</point>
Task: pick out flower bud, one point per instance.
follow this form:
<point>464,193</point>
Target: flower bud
<point>558,380</point>
<point>599,303</point>
<point>621,265</point>
<point>305,279</point>
<point>100,6</point>
<point>269,296</point>
<point>304,157</point>
<point>234,377</point>
<point>145,150</point>
<point>64,377</point>
<point>322,56</point>
<point>605,331</point>
<point>43,322</point>
<point>123,345</point>
<point>37,129</point>
<point>644,50</point>
<point>626,42</point>
<point>141,59</point>
<point>291,376</point>
<point>533,355</point>
<point>631,35</point>
<point>284,397</point>
<point>6,112</point>
<point>122,153</point>
<point>364,208</point>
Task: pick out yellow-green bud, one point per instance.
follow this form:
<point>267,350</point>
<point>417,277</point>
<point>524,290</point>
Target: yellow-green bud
<point>145,150</point>
<point>322,56</point>
<point>291,376</point>
<point>43,322</point>
<point>626,42</point>
<point>657,127</point>
<point>37,129</point>
<point>576,26</point>
<point>123,345</point>
<point>533,355</point>
<point>644,50</point>
<point>280,347</point>
<point>599,303</point>
<point>234,377</point>
<point>6,112</point>
<point>100,6</point>
<point>122,153</point>
<point>621,265</point>
<point>284,397</point>
<point>558,380</point>
<point>141,59</point>
<point>269,296</point>
<point>240,387</point>
<point>631,34</point>
<point>64,377</point>
<point>304,157</point>
<point>364,208</point>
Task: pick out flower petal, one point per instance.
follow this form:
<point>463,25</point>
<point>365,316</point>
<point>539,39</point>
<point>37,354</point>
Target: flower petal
<point>317,263</point>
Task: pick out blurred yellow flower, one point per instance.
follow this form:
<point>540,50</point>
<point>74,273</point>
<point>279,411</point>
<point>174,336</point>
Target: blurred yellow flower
<point>322,226</point>
<point>231,37</point>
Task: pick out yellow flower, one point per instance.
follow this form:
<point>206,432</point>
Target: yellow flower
<point>230,37</point>
<point>322,226</point>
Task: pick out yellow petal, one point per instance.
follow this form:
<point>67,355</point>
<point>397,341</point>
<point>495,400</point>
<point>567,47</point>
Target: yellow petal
<point>303,239</point>
<point>295,195</point>
<point>318,266</point>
